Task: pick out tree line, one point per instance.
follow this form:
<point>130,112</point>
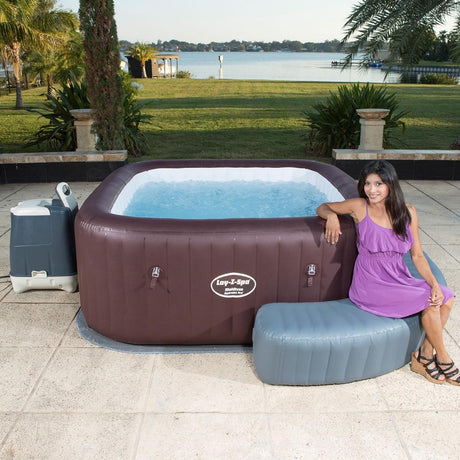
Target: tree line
<point>175,46</point>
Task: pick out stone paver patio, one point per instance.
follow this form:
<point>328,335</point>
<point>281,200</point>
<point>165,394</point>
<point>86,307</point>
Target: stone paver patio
<point>64,398</point>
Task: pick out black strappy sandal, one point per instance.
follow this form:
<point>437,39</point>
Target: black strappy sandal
<point>433,374</point>
<point>446,370</point>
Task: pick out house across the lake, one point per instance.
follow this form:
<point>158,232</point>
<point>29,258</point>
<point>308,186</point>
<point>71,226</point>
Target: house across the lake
<point>160,66</point>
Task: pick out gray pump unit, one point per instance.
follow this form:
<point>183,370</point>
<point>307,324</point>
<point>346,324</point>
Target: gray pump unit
<point>42,245</point>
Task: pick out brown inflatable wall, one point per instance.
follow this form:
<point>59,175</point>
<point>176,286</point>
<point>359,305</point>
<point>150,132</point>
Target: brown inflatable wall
<point>256,260</point>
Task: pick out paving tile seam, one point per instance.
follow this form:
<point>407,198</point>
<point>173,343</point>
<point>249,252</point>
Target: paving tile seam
<point>429,226</point>
<point>401,438</point>
<point>436,200</point>
<point>422,230</point>
<point>441,246</point>
<point>39,379</point>
<point>4,292</point>
<point>381,393</point>
<point>270,434</point>
<point>37,302</point>
<point>227,413</point>
<point>27,347</point>
<point>140,423</point>
<point>10,303</point>
<point>447,329</point>
<point>67,329</point>
<point>449,252</point>
<point>73,412</point>
<point>5,438</point>
<point>137,439</point>
<point>452,337</point>
<point>454,183</point>
<point>20,189</point>
<point>366,411</point>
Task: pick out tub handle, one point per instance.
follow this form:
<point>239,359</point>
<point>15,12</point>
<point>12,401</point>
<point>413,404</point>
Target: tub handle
<point>311,270</point>
<point>155,274</point>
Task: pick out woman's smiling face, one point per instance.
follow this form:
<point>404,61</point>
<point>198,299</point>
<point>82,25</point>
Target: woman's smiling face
<point>375,189</point>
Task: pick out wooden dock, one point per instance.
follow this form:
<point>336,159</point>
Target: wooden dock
<point>452,71</point>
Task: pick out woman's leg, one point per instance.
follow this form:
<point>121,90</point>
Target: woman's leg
<point>433,321</point>
<point>445,311</point>
<point>427,348</point>
<point>423,359</point>
<point>443,360</point>
<point>433,325</point>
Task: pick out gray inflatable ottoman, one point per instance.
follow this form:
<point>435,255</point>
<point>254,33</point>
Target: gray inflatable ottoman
<point>317,343</point>
<point>314,343</point>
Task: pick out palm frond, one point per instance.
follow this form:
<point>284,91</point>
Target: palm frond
<point>373,23</point>
<point>456,47</point>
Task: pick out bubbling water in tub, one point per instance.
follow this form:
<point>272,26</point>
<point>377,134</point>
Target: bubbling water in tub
<point>225,200</point>
<point>219,193</point>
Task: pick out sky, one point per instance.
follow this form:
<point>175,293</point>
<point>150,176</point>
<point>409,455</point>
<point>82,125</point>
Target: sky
<point>203,21</point>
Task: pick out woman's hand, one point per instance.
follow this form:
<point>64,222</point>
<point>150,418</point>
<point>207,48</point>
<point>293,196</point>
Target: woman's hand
<point>333,231</point>
<point>436,298</point>
<point>355,207</point>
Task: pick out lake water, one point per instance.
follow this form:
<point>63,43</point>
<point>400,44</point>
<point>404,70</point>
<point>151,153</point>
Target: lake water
<point>278,66</point>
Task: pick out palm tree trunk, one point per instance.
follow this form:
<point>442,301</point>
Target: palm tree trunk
<point>144,73</point>
<point>19,101</point>
<point>49,84</point>
<point>17,75</point>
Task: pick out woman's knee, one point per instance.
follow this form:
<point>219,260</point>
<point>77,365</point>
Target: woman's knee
<point>449,304</point>
<point>431,312</point>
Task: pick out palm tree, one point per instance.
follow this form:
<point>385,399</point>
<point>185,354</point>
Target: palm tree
<point>71,59</point>
<point>61,64</point>
<point>406,24</point>
<point>142,52</point>
<point>41,66</point>
<point>5,61</point>
<point>29,25</point>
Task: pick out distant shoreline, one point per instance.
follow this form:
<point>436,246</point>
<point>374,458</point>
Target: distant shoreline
<point>175,46</point>
<point>124,49</point>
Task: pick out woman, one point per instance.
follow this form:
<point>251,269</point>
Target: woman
<point>387,228</point>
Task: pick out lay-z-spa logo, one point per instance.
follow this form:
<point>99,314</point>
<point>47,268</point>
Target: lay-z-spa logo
<point>233,285</point>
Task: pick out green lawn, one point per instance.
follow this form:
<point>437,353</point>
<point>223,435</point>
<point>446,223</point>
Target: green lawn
<point>246,119</point>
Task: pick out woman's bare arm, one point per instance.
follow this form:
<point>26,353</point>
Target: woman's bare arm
<point>421,263</point>
<point>354,207</point>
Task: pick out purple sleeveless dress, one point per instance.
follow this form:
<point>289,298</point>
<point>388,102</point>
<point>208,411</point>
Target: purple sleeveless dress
<point>382,283</point>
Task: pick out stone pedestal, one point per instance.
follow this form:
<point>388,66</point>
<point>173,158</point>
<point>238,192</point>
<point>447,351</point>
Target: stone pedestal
<point>372,124</point>
<point>86,138</point>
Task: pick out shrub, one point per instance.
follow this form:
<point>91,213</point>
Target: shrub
<point>133,138</point>
<point>183,74</point>
<point>438,79</point>
<point>408,78</point>
<point>59,133</point>
<point>335,122</point>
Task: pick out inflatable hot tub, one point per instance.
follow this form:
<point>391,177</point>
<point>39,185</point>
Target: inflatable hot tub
<point>148,280</point>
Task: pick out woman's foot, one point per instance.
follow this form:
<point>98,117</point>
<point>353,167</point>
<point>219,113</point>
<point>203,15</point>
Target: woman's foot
<point>426,367</point>
<point>451,371</point>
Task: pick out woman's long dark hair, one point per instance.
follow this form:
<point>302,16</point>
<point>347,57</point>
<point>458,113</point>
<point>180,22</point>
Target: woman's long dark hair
<point>394,202</point>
